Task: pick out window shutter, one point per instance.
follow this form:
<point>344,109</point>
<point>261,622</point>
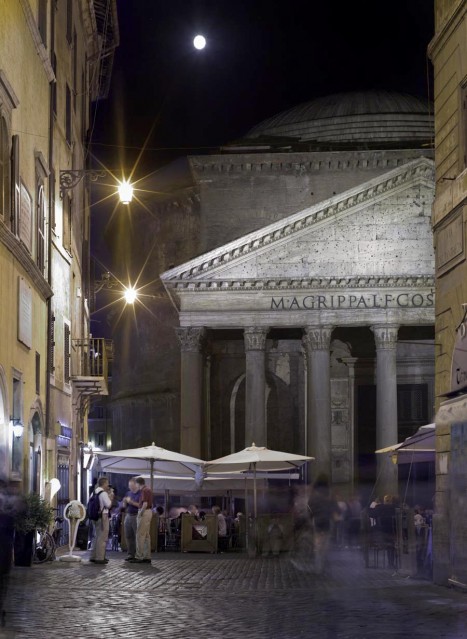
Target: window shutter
<point>15,186</point>
<point>40,256</point>
<point>66,354</point>
<point>52,344</point>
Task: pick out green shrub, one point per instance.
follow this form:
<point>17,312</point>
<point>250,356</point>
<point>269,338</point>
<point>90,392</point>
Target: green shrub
<point>35,513</point>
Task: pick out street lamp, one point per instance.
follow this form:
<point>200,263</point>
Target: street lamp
<point>130,295</point>
<point>125,192</point>
<point>17,427</point>
<point>108,281</point>
<point>70,178</point>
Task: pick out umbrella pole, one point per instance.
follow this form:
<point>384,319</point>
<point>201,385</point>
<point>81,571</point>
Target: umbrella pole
<point>247,521</point>
<point>152,474</point>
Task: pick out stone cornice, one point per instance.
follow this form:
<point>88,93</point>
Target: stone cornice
<point>36,37</point>
<point>451,22</point>
<point>296,284</point>
<point>22,255</point>
<point>420,170</point>
<point>295,163</point>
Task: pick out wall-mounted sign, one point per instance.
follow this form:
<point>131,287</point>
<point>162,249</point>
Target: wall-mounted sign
<point>24,312</point>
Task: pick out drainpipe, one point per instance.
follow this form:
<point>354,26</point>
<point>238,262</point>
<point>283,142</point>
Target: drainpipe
<point>48,408</point>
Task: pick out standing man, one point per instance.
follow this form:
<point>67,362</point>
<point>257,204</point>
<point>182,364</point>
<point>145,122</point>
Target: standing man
<point>130,506</point>
<point>101,526</point>
<point>143,540</point>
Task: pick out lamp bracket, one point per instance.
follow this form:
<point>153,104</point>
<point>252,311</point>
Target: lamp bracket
<point>70,178</point>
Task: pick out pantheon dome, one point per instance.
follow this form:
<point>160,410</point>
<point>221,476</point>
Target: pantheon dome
<point>369,118</point>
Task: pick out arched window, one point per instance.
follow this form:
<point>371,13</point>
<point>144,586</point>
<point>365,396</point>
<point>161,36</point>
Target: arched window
<point>4,170</point>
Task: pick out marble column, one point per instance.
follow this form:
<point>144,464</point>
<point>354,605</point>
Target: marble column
<point>317,340</point>
<point>386,404</point>
<point>191,389</point>
<point>255,389</point>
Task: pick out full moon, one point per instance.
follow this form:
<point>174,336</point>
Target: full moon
<point>199,42</point>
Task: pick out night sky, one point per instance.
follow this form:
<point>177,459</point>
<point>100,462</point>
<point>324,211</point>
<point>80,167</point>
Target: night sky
<point>262,57</point>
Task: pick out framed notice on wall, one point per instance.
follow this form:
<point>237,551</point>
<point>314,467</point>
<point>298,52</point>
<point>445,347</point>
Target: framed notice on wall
<point>24,312</point>
<point>25,217</point>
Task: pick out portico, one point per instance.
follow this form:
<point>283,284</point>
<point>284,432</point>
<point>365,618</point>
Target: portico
<point>305,309</point>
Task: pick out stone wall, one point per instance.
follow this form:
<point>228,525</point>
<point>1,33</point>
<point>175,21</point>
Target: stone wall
<point>241,193</point>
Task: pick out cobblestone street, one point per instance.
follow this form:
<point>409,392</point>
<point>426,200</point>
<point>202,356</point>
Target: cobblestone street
<point>227,596</point>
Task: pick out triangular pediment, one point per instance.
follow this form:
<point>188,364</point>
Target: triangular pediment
<point>380,228</point>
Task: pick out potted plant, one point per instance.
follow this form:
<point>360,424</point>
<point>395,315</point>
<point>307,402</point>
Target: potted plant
<point>35,514</point>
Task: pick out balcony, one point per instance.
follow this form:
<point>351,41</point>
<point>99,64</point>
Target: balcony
<point>92,374</point>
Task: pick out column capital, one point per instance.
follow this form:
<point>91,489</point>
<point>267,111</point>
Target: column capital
<point>191,338</point>
<point>317,338</point>
<point>255,338</point>
<point>385,336</point>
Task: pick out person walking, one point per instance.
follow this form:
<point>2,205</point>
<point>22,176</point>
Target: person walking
<point>101,526</point>
<point>323,510</point>
<point>130,507</point>
<point>143,523</point>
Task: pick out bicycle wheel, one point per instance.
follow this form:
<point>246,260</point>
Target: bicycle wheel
<point>45,548</point>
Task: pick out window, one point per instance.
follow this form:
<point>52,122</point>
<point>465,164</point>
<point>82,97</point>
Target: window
<point>66,353</point>
<point>40,237</point>
<point>100,440</point>
<point>463,128</point>
<point>52,198</point>
<point>69,20</point>
<point>52,344</point>
<point>42,21</point>
<point>4,169</point>
<point>66,223</point>
<point>38,373</point>
<point>54,85</point>
<point>412,408</point>
<point>16,186</point>
<point>83,107</point>
<point>75,68</point>
<point>68,115</point>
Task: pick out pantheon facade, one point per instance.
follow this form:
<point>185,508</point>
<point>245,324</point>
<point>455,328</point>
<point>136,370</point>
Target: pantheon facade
<point>298,304</point>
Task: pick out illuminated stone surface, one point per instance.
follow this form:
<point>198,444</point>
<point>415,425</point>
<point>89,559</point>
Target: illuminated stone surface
<point>227,596</point>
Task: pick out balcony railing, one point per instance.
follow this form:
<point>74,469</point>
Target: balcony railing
<point>92,365</point>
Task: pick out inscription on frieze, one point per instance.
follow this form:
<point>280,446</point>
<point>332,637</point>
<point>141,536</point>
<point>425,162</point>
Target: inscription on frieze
<point>334,301</point>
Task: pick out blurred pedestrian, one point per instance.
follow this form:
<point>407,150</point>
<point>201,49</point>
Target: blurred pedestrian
<point>143,523</point>
<point>101,526</point>
<point>130,507</point>
<point>323,510</point>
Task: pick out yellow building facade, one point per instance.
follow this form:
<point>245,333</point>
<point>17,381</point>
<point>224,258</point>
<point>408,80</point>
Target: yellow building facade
<point>55,60</point>
<point>448,53</point>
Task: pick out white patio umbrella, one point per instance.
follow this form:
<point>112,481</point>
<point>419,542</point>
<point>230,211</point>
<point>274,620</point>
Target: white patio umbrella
<point>253,459</point>
<point>150,459</point>
<point>419,447</point>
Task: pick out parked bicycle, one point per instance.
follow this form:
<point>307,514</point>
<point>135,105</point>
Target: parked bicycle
<point>47,542</point>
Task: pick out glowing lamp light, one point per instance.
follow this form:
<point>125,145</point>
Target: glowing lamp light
<point>55,486</point>
<point>199,42</point>
<point>17,427</point>
<point>130,295</point>
<point>125,192</point>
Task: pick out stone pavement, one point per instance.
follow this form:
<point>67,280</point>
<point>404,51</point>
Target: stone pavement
<point>227,596</point>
